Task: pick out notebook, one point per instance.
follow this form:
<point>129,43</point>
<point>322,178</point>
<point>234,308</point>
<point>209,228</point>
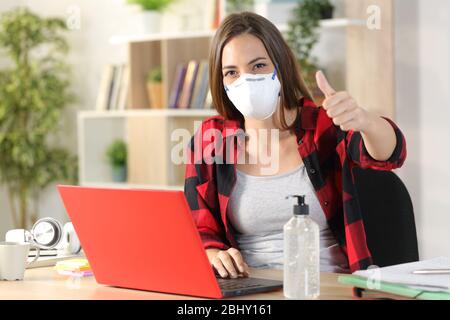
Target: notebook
<point>400,280</point>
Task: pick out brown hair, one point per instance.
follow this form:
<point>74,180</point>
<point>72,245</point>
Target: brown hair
<point>288,69</point>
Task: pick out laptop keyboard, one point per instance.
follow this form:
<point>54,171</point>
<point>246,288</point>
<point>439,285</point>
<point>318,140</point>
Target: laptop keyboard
<point>238,283</point>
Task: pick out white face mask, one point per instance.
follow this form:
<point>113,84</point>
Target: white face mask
<point>255,95</point>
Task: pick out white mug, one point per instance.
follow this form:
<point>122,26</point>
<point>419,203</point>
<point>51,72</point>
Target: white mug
<point>14,259</point>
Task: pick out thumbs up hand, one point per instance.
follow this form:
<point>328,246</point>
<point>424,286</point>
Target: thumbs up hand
<point>342,108</point>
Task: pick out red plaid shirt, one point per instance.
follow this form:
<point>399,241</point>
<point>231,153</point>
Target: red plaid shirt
<point>329,154</point>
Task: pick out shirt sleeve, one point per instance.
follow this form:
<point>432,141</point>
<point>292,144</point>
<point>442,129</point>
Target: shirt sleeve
<point>199,192</point>
<point>358,153</point>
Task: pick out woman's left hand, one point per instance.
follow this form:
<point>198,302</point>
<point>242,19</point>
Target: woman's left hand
<point>342,108</point>
<point>378,135</point>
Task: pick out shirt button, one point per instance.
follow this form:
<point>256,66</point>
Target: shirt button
<point>325,203</point>
<point>312,171</point>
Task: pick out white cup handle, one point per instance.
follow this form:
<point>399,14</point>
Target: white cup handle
<point>38,250</point>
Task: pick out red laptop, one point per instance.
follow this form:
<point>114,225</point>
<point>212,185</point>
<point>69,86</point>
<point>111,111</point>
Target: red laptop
<point>147,240</point>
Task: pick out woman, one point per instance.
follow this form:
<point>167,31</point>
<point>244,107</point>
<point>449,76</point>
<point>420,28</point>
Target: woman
<point>239,206</point>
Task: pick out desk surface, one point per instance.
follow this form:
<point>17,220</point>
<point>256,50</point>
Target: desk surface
<point>46,283</point>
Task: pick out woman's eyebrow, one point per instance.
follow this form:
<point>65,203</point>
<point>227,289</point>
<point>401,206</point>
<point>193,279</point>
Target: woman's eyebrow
<point>252,61</point>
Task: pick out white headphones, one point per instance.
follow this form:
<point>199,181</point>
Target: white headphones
<point>47,233</point>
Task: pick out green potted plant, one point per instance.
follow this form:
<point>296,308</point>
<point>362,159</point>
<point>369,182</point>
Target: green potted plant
<point>155,88</point>
<point>303,35</point>
<point>326,9</point>
<point>151,13</point>
<point>116,155</point>
<point>34,91</point>
<point>233,6</point>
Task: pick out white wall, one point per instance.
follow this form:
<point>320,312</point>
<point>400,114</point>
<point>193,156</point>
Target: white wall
<point>423,104</point>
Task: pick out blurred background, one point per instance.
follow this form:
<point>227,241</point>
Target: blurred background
<point>91,91</point>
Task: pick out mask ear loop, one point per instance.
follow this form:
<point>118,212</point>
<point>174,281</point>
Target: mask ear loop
<point>274,74</point>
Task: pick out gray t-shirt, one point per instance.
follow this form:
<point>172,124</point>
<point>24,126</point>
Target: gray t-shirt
<point>258,211</point>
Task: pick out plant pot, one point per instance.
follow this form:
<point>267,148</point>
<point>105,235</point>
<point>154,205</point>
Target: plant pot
<point>327,13</point>
<point>150,21</point>
<point>239,7</point>
<point>155,95</point>
<point>119,173</point>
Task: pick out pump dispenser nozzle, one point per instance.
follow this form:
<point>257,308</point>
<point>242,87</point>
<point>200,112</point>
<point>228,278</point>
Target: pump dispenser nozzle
<point>301,208</point>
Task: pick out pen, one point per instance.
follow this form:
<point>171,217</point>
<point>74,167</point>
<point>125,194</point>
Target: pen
<point>432,271</point>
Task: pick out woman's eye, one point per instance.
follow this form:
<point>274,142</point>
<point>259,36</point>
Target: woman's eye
<point>260,65</point>
<point>230,73</point>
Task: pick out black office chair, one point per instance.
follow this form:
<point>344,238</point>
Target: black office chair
<point>388,217</point>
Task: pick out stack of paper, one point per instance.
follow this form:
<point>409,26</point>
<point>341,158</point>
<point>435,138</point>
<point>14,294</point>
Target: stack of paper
<point>400,280</point>
<point>74,267</point>
<point>403,274</point>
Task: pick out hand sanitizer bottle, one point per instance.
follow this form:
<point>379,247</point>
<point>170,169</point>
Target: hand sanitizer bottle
<point>301,254</point>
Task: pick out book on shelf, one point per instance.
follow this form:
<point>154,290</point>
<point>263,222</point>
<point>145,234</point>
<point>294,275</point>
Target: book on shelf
<point>109,93</point>
<point>114,87</point>
<point>201,86</point>
<point>177,85</point>
<point>218,13</point>
<point>215,11</point>
<point>208,101</point>
<point>104,88</point>
<point>124,88</point>
<point>188,85</point>
<point>191,86</point>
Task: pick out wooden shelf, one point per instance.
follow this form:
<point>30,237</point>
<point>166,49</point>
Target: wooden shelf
<point>332,24</point>
<point>148,113</point>
<point>148,134</point>
<point>341,23</point>
<point>136,38</point>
